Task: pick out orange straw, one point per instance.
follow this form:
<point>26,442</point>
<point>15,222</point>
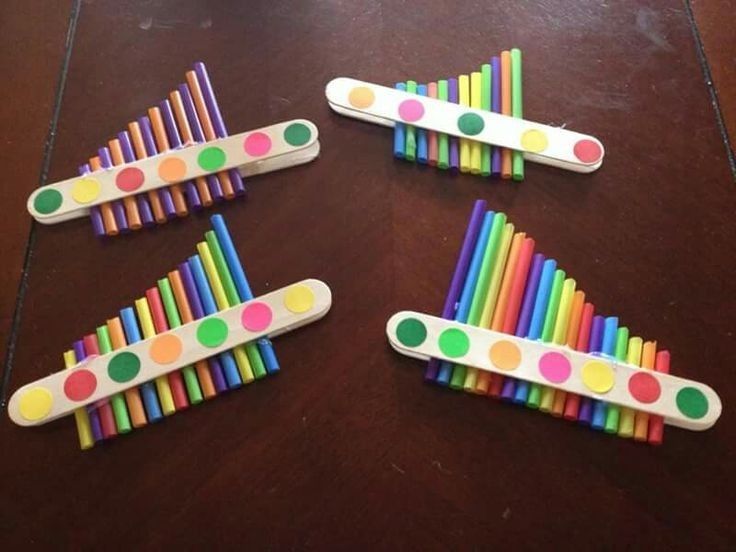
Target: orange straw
<point>140,153</point>
<point>641,419</point>
<point>656,423</point>
<point>132,397</point>
<point>108,219</point>
<point>131,209</point>
<point>162,143</point>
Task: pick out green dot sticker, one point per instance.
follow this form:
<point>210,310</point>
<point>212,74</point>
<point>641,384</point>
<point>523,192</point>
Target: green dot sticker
<point>454,343</point>
<point>211,159</point>
<point>297,134</point>
<point>212,332</point>
<point>47,201</point>
<point>470,124</point>
<point>692,402</point>
<point>411,332</point>
<point>123,367</point>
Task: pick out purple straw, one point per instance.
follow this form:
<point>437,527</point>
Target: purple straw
<point>530,294</point>
<point>198,135</point>
<point>98,227</point>
<point>217,122</point>
<point>167,203</point>
<point>190,288</point>
<point>452,94</point>
<point>458,277</point>
<point>118,208</point>
<point>175,142</point>
<point>496,108</point>
<point>144,208</point>
<point>94,415</point>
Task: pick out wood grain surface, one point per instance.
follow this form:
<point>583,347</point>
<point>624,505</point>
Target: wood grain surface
<point>347,447</point>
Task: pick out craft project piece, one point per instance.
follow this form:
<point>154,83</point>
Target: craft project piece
<point>196,334</point>
<point>175,158</point>
<point>514,326</point>
<point>472,124</point>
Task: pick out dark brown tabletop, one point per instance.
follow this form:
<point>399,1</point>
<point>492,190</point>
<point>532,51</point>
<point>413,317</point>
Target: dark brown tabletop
<point>348,446</point>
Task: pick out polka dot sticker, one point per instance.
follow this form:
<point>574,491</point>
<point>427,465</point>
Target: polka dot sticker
<point>80,385</point>
<point>534,141</point>
<point>597,376</point>
<point>297,134</point>
<point>644,387</point>
<point>411,110</point>
<point>454,343</point>
<point>85,190</point>
<point>211,159</point>
<point>165,349</point>
<point>692,402</point>
<point>256,317</point>
<point>505,355</point>
<point>129,179</point>
<point>555,367</point>
<point>47,201</point>
<point>212,332</point>
<point>257,144</point>
<point>35,404</point>
<point>411,332</point>
<point>587,151</point>
<point>361,97</point>
<point>299,299</point>
<point>470,124</point>
<point>123,367</point>
<point>172,169</point>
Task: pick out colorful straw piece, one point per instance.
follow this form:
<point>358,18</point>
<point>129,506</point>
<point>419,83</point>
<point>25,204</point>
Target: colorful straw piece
<point>176,349</point>
<point>175,158</point>
<point>526,295</point>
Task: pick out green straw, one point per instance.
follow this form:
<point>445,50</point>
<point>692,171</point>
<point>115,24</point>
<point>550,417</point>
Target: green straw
<point>517,170</point>
<point>443,161</point>
<point>613,413</point>
<point>485,104</point>
<point>545,395</point>
<point>119,409</point>
<point>411,132</point>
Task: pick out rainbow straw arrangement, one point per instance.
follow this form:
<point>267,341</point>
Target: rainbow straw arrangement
<point>502,284</point>
<point>211,281</point>
<point>496,87</point>
<point>189,115</point>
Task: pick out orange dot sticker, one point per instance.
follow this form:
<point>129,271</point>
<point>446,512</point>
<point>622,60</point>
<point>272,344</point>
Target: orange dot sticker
<point>505,355</point>
<point>361,97</point>
<point>172,169</point>
<point>165,349</point>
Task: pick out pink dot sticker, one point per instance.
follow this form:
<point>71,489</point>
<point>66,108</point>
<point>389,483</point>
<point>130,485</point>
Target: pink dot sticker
<point>644,387</point>
<point>129,179</point>
<point>256,317</point>
<point>411,110</point>
<point>554,367</point>
<point>587,151</point>
<point>257,144</point>
<point>80,385</point>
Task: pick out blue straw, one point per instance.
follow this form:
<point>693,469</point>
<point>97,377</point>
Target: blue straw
<point>422,146</point>
<point>400,131</point>
<point>608,348</point>
<point>148,391</point>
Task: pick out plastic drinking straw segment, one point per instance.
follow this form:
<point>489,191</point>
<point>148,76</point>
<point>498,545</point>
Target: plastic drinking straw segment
<point>517,157</point>
<point>104,410</point>
<point>443,141</point>
<point>132,396</point>
<point>496,108</point>
<point>633,356</point>
<point>521,390</point>
<point>400,131</point>
<point>139,149</point>
<point>562,321</point>
<point>505,109</point>
<point>94,417</point>
<point>171,208</point>
<point>108,218</point>
<point>485,103</point>
<point>422,143</point>
<point>463,83</point>
<point>432,141</point>
<point>641,419</point>
<point>459,274</point>
<point>608,349</point>
<point>141,200</point>
<point>81,418</point>
<point>656,423</point>
<point>570,407</point>
<point>454,97</point>
<point>171,140</point>
<point>613,412</point>
<point>546,394</point>
<point>103,154</point>
<point>475,102</point>
<point>117,401</point>
<point>131,207</point>
<point>410,149</point>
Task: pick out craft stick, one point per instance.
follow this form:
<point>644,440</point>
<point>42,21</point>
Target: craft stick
<point>433,145</point>
<point>107,420</point>
<point>443,141</point>
<point>476,102</point>
<point>94,417</point>
<point>454,97</point>
<point>141,200</point>
<point>132,396</point>
<point>633,356</point>
<point>95,216</point>
<point>119,409</point>
<point>131,207</point>
<point>459,274</point>
<point>485,90</point>
<point>81,418</point>
<point>400,131</point>
<point>656,423</point>
<point>641,419</point>
<point>108,218</point>
<point>117,206</point>
<point>422,144</point>
<point>464,100</point>
<point>505,109</point>
<point>517,162</point>
<point>139,148</point>
<point>174,140</point>
<point>167,201</point>
<point>496,78</point>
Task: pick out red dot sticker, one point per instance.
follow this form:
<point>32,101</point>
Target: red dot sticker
<point>411,110</point>
<point>257,144</point>
<point>129,179</point>
<point>587,151</point>
<point>644,387</point>
<point>256,317</point>
<point>80,385</point>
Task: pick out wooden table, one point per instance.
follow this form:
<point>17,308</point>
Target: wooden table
<point>347,446</point>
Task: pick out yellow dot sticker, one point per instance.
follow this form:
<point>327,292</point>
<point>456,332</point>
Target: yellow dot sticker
<point>172,169</point>
<point>299,299</point>
<point>361,97</point>
<point>85,190</point>
<point>165,349</point>
<point>597,376</point>
<point>505,355</point>
<point>35,404</point>
<point>534,141</point>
